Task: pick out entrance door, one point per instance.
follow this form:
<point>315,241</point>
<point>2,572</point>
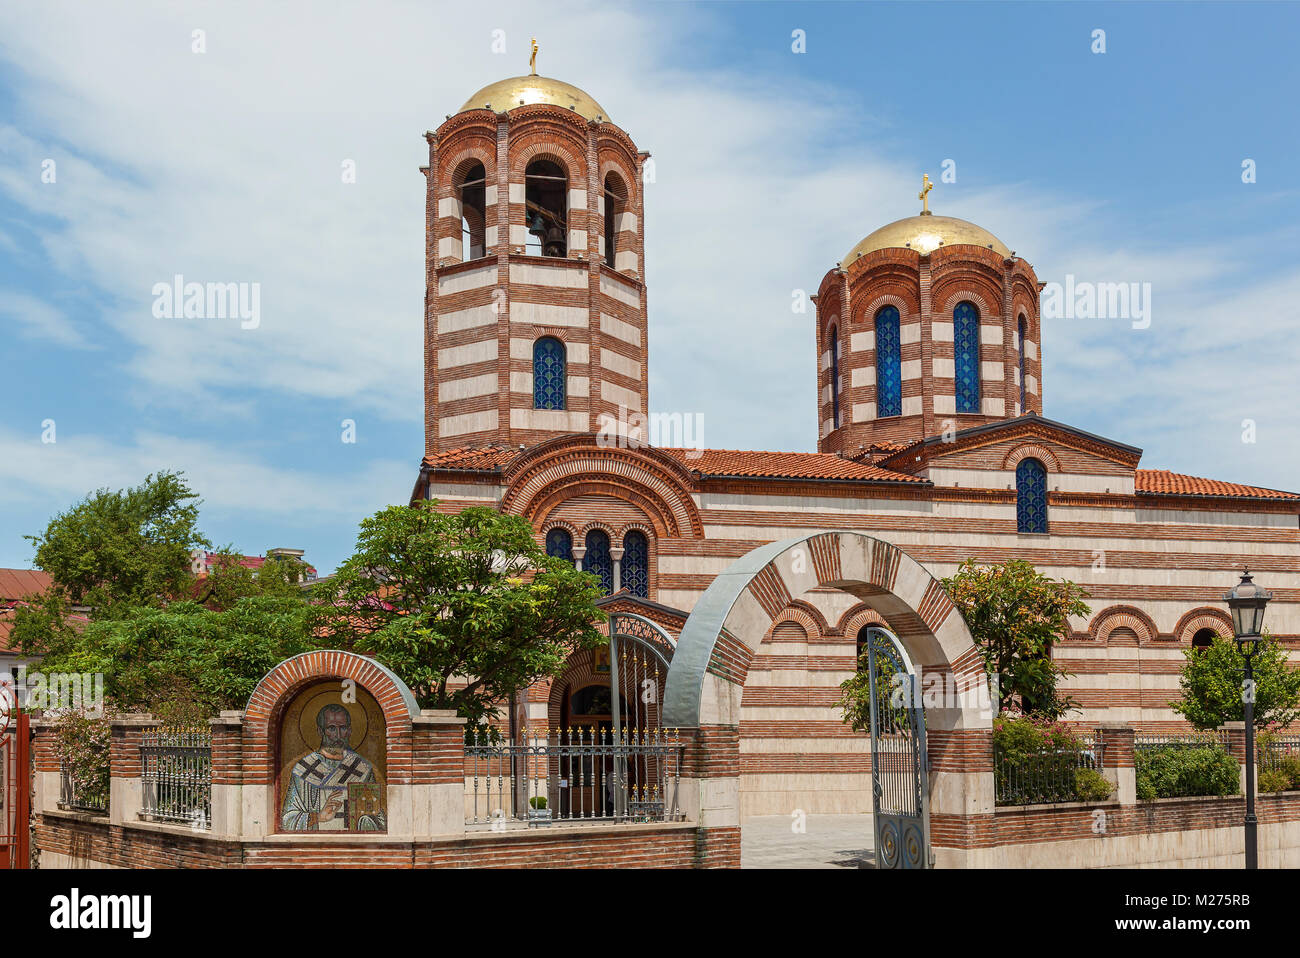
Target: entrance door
<point>899,792</point>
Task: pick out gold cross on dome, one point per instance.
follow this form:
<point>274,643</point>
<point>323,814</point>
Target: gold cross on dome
<point>532,60</point>
<point>924,195</point>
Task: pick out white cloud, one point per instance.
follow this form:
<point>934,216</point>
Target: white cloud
<point>37,319</point>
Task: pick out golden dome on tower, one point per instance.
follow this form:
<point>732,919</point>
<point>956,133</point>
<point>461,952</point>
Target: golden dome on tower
<point>505,95</point>
<point>925,234</point>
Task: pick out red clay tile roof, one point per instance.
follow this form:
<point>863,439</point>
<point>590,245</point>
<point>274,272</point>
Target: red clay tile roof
<point>20,583</point>
<point>477,458</point>
<point>1162,482</point>
<point>783,465</point>
<point>709,462</point>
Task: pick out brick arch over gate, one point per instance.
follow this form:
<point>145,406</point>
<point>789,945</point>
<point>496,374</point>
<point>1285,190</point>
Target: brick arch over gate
<point>722,634</point>
<point>279,686</point>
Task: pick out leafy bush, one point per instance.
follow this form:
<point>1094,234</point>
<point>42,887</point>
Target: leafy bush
<point>1037,761</point>
<point>81,744</point>
<point>1274,780</point>
<point>1091,786</point>
<point>1173,771</point>
<point>538,801</point>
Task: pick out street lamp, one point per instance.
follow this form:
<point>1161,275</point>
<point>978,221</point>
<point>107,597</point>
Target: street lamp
<point>1246,602</point>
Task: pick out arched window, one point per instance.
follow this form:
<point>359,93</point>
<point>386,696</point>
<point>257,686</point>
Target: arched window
<point>472,190</point>
<point>835,376</point>
<point>1031,496</point>
<point>546,202</point>
<point>889,364</point>
<point>1022,365</point>
<point>1203,639</point>
<point>615,204</point>
<point>548,373</point>
<point>966,356</point>
<point>597,559</point>
<point>559,543</point>
<point>635,568</point>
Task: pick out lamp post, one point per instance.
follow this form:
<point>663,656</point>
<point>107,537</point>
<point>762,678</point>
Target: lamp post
<point>1246,602</point>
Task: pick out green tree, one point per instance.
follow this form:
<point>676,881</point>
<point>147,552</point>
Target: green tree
<point>112,552</point>
<point>1015,615</point>
<point>464,606</point>
<point>1211,681</point>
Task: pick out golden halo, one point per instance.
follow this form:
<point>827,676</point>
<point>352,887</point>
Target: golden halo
<point>331,696</point>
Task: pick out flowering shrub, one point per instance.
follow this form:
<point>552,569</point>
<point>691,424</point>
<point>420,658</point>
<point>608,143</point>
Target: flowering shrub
<point>1176,770</point>
<point>81,744</point>
<point>1038,761</point>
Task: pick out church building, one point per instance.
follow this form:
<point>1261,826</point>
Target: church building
<point>930,430</point>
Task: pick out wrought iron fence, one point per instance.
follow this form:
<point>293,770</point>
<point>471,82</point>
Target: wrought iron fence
<point>1214,738</point>
<point>573,776</point>
<point>176,776</point>
<point>82,796</point>
<point>1276,749</point>
<point>1043,778</point>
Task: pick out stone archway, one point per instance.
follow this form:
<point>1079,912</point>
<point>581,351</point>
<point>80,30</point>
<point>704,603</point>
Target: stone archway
<point>719,639</point>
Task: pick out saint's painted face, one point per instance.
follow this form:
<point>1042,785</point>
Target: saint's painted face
<point>335,727</point>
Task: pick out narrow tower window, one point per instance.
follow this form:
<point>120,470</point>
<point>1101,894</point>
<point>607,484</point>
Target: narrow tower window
<point>889,364</point>
<point>615,204</point>
<point>635,568</point>
<point>835,376</point>
<point>473,212</point>
<point>1022,366</point>
<point>597,559</point>
<point>559,543</point>
<point>1031,496</point>
<point>546,197</point>
<point>966,356</point>
<point>548,373</point>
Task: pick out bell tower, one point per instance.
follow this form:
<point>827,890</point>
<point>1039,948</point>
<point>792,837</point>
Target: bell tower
<point>929,325</point>
<point>535,299</point>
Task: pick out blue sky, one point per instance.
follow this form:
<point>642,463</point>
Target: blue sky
<point>225,166</point>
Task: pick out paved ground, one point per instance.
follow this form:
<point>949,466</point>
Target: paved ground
<point>831,841</point>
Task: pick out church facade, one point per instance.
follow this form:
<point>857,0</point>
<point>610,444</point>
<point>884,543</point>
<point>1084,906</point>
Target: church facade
<point>931,436</point>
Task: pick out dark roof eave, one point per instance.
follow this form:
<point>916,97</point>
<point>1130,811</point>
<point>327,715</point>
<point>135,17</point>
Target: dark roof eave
<point>909,483</point>
<point>1290,498</point>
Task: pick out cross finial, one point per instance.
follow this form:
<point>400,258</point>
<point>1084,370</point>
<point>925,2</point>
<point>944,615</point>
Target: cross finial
<point>532,60</point>
<point>924,195</point>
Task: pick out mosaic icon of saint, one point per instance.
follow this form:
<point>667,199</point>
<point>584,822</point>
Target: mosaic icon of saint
<point>333,788</point>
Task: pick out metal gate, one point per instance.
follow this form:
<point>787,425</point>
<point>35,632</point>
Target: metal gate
<point>15,782</point>
<point>640,652</point>
<point>899,787</point>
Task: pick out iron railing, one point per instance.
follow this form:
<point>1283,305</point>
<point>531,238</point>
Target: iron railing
<point>1214,738</point>
<point>1276,749</point>
<point>572,776</point>
<point>176,776</point>
<point>81,797</point>
<point>1043,778</point>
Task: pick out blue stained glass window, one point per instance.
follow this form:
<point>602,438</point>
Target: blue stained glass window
<point>889,364</point>
<point>635,568</point>
<point>598,559</point>
<point>835,376</point>
<point>966,356</point>
<point>1022,366</point>
<point>548,373</point>
<point>559,543</point>
<point>1031,496</point>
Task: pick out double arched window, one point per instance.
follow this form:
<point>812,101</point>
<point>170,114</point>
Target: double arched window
<point>966,356</point>
<point>889,364</point>
<point>1031,496</point>
<point>598,560</point>
<point>559,543</point>
<point>835,376</point>
<point>548,373</point>
<point>634,570</point>
<point>471,189</point>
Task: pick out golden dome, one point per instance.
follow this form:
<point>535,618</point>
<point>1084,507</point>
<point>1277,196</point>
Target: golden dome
<point>925,234</point>
<point>505,95</point>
